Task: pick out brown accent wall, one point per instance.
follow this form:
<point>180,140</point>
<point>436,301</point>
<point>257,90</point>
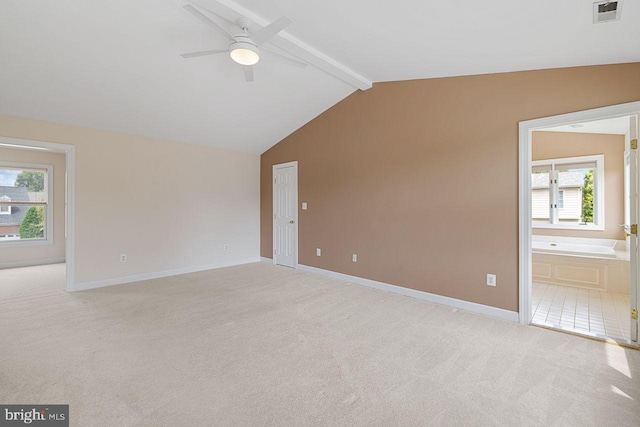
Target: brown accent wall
<point>420,178</point>
<point>555,145</point>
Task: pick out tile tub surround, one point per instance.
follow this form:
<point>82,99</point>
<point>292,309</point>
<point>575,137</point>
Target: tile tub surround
<point>588,263</point>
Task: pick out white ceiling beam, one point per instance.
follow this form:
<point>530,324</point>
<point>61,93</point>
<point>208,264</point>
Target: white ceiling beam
<point>231,11</point>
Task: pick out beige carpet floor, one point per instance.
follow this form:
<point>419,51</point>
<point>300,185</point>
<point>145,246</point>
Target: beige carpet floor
<point>263,345</point>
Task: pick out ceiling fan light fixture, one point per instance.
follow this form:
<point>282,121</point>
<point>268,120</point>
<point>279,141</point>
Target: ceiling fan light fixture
<point>245,56</point>
<point>244,47</point>
<point>244,52</point>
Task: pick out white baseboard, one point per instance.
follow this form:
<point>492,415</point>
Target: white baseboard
<point>426,296</point>
<point>267,260</point>
<point>160,274</point>
<point>32,263</point>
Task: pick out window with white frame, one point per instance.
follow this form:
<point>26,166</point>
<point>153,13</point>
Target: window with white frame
<point>560,199</point>
<point>568,193</point>
<point>26,213</point>
<point>5,210</point>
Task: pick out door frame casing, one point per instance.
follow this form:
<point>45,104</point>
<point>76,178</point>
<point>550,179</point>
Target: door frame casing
<point>70,163</point>
<point>295,197</point>
<point>526,129</point>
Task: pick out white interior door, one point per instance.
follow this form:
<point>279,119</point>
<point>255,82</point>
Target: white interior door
<point>633,212</point>
<point>285,214</point>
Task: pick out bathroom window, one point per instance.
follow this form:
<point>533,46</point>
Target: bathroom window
<point>568,193</point>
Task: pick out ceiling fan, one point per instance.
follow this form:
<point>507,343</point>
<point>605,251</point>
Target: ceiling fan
<point>245,48</point>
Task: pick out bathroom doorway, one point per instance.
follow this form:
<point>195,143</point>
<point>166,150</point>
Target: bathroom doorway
<point>581,244</point>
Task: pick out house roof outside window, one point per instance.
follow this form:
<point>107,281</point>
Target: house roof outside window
<point>569,179</point>
<point>16,194</point>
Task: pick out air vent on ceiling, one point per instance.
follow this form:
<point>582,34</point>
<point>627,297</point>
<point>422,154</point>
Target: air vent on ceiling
<point>606,11</point>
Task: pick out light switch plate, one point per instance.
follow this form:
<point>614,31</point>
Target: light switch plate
<point>304,206</point>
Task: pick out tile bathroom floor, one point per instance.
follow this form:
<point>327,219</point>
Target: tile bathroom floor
<point>587,311</point>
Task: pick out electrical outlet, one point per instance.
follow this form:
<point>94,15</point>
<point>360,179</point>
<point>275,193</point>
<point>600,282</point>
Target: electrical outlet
<point>491,279</point>
<point>123,257</point>
<point>226,246</point>
<point>354,257</point>
<point>318,252</point>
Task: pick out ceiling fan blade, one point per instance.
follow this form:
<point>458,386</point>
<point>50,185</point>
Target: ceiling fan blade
<point>263,35</point>
<point>204,18</point>
<point>270,55</point>
<point>248,72</point>
<point>203,53</point>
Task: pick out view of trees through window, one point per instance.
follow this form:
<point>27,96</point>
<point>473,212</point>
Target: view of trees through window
<point>23,203</point>
<point>587,197</point>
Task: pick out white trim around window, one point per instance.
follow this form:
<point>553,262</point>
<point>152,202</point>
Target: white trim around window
<point>47,204</point>
<point>598,196</point>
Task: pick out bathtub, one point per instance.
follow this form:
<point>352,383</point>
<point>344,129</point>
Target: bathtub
<point>601,264</point>
<point>577,246</point>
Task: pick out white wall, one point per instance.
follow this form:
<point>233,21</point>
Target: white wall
<point>168,206</point>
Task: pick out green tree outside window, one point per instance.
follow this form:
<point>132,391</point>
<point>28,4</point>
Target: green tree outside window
<point>587,198</point>
<point>33,181</point>
<point>32,226</point>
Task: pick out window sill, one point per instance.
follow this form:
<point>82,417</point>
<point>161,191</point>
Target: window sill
<point>35,242</point>
<point>590,227</point>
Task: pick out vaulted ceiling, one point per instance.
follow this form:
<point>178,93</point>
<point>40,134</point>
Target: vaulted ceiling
<point>116,65</point>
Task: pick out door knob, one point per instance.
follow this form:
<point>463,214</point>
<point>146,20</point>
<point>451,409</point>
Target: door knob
<point>291,222</point>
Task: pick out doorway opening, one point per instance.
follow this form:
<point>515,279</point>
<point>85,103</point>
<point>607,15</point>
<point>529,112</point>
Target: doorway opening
<point>38,178</point>
<point>285,214</point>
<point>578,223</point>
